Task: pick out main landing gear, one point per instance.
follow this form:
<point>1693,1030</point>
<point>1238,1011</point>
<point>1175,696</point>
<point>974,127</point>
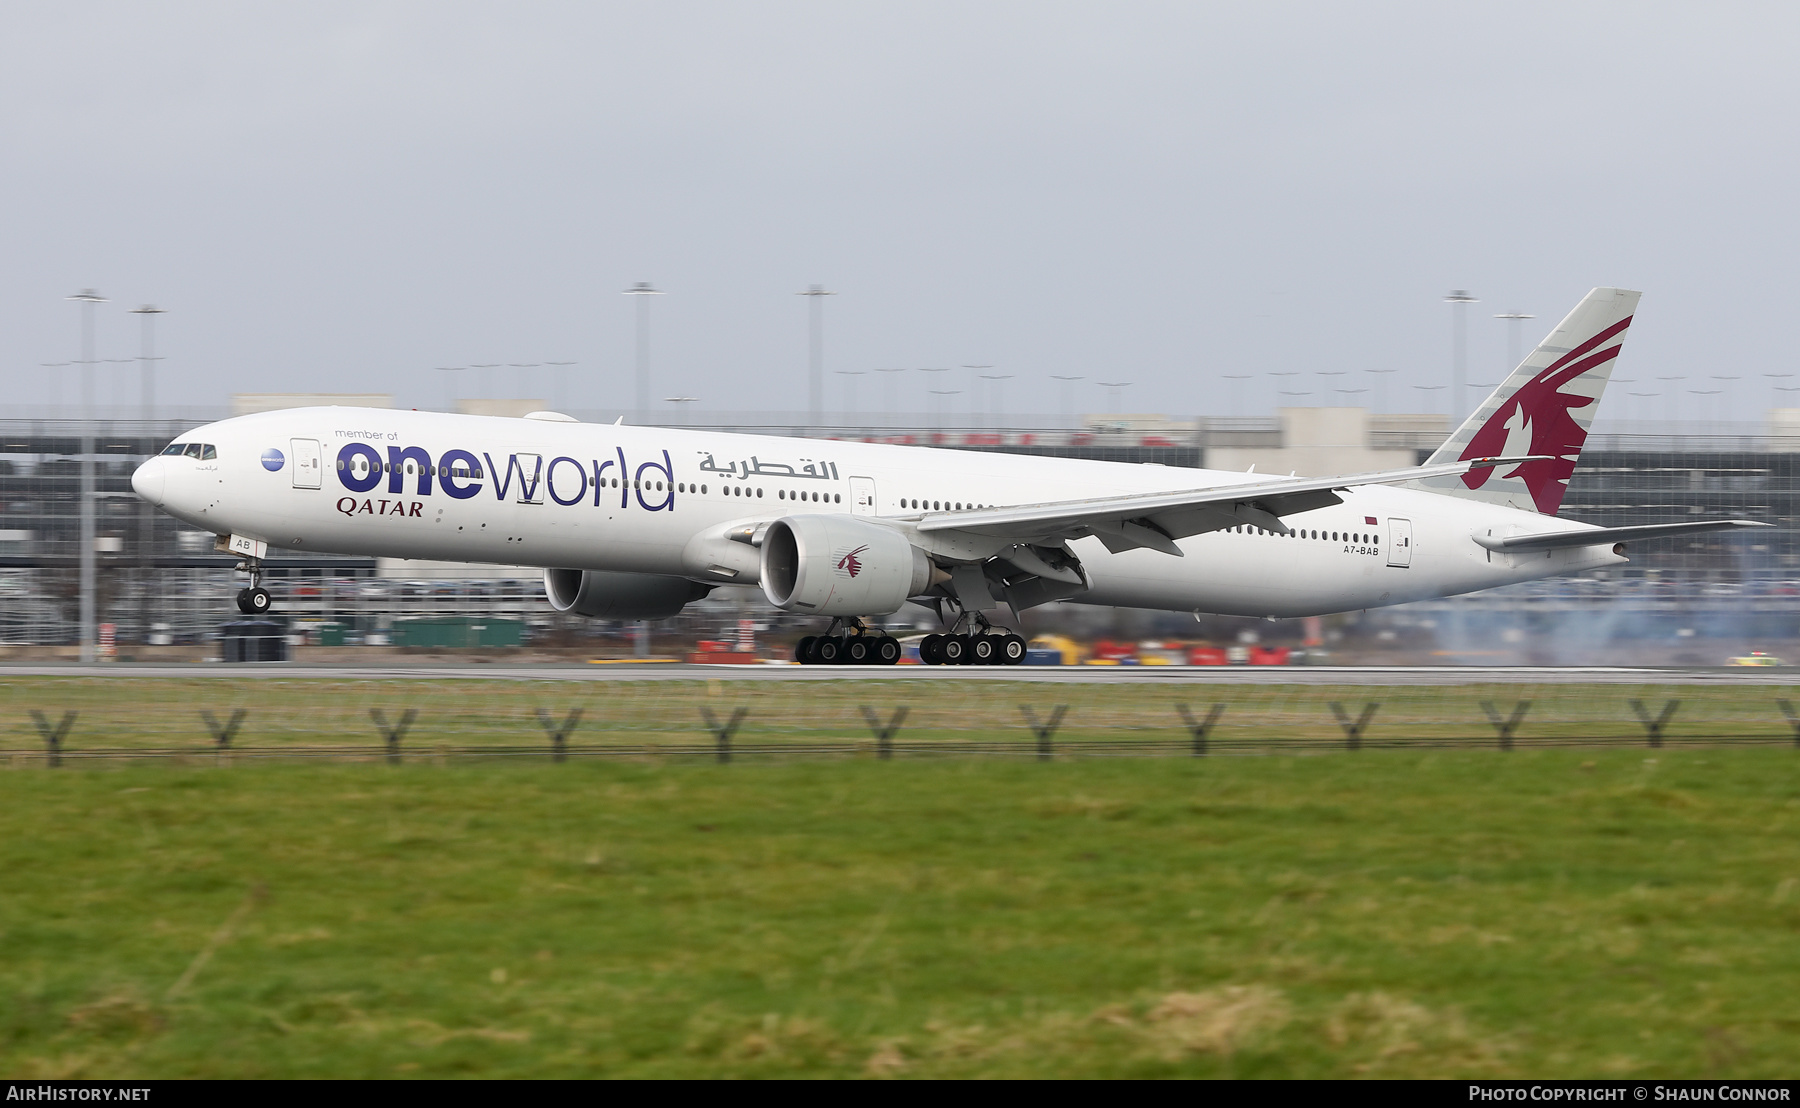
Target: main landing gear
<point>972,650</point>
<point>848,643</point>
<point>978,645</point>
<point>253,599</point>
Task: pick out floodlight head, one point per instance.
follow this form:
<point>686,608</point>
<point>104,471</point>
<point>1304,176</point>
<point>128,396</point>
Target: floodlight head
<point>147,309</point>
<point>643,288</point>
<point>1460,296</point>
<point>87,296</point>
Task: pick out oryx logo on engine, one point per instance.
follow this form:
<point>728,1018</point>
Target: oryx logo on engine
<point>849,564</point>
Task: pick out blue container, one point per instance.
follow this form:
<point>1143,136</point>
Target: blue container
<point>1043,657</point>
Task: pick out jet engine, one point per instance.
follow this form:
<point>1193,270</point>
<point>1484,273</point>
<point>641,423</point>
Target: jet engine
<point>603,594</point>
<point>840,566</point>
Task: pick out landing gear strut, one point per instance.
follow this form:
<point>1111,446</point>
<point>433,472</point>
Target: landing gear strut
<point>253,599</point>
<point>978,644</point>
<point>848,642</point>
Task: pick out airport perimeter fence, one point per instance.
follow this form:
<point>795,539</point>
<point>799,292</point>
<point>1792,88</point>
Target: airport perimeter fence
<point>60,721</point>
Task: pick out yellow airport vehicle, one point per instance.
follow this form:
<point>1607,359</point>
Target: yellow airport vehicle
<point>1071,651</point>
<point>1754,658</point>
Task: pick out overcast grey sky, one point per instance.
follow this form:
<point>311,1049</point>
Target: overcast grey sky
<point>340,197</point>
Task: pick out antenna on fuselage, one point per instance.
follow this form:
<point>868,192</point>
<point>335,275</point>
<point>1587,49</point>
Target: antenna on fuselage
<point>618,421</point>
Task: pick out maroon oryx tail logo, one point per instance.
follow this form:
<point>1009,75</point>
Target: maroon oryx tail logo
<point>1540,410</point>
<point>850,564</point>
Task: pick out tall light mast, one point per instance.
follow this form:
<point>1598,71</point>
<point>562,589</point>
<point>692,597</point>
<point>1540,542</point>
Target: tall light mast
<point>1068,410</point>
<point>815,381</point>
<point>641,290</point>
<point>1459,300</point>
<point>1513,319</point>
<point>87,298</point>
<point>147,358</point>
<point>146,540</point>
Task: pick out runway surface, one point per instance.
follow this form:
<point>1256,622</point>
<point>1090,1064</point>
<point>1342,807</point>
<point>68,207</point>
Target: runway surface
<point>1150,675</point>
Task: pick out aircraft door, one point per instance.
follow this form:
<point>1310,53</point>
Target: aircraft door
<point>528,471</point>
<point>862,496</point>
<point>1399,542</point>
<point>308,473</point>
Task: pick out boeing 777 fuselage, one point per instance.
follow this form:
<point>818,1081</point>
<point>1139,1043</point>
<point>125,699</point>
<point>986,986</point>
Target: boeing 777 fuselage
<point>635,522</point>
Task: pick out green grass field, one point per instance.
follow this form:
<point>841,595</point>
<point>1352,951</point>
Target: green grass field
<point>1389,913</point>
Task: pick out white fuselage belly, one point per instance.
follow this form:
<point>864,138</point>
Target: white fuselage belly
<point>576,524</point>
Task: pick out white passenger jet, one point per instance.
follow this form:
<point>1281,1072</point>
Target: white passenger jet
<point>636,522</point>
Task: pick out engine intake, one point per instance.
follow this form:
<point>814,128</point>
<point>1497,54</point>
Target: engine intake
<point>603,594</point>
<point>840,566</point>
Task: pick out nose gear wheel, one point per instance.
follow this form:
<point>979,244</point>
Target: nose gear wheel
<point>253,599</point>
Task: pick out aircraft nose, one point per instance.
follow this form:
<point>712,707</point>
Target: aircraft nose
<point>148,480</point>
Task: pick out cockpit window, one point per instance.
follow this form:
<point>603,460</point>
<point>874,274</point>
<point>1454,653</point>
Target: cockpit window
<point>193,450</point>
<point>174,449</point>
<point>207,453</point>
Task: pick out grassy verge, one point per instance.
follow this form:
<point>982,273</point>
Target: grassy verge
<point>1390,914</point>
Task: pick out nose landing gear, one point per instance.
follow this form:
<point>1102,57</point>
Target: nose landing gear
<point>253,599</point>
<point>848,642</point>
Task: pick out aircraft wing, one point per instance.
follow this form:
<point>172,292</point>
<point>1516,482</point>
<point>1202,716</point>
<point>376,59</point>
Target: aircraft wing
<point>1156,520</point>
<point>1594,536</point>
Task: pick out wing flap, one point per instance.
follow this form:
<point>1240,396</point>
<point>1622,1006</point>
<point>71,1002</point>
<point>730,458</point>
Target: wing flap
<point>1121,535</point>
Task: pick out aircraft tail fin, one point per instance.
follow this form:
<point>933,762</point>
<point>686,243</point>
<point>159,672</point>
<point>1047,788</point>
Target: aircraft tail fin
<point>1544,407</point>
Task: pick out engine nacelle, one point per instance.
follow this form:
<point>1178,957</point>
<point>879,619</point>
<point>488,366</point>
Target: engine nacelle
<point>840,566</point>
<point>603,594</point>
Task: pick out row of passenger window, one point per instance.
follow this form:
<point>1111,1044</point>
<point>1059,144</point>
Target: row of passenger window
<point>358,465</point>
<point>939,505</point>
<point>1328,536</point>
<point>201,450</point>
<point>780,494</point>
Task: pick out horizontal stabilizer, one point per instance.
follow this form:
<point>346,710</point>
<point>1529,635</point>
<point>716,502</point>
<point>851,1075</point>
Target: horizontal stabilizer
<point>1559,540</point>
